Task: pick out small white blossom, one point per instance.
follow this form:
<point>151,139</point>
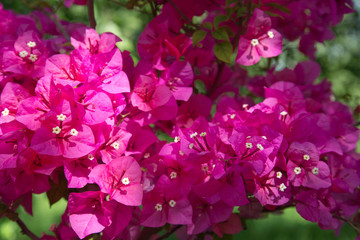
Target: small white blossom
<point>254,42</point>
<point>181,153</point>
<point>173,175</point>
<point>23,54</point>
<point>203,134</point>
<point>248,145</point>
<point>115,145</point>
<point>107,198</point>
<point>232,116</point>
<point>279,174</point>
<point>191,145</point>
<point>91,157</point>
<point>172,203</point>
<point>270,34</point>
<point>193,135</point>
<point>306,157</point>
<point>315,171</point>
<point>56,130</point>
<point>297,170</point>
<point>33,57</point>
<point>177,139</point>
<point>146,155</point>
<point>125,181</point>
<point>31,44</point>
<point>264,137</point>
<point>282,187</point>
<point>284,113</point>
<point>158,207</point>
<point>61,117</point>
<point>5,112</point>
<point>74,132</point>
<point>205,167</point>
<point>259,146</point>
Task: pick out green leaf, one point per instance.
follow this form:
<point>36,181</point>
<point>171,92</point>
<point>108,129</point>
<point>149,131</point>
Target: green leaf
<point>198,36</point>
<point>163,136</point>
<point>207,25</point>
<point>229,2</point>
<point>280,7</point>
<point>200,86</point>
<point>220,34</point>
<point>223,51</point>
<point>218,19</point>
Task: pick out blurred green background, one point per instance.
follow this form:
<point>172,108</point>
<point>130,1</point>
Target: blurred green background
<point>340,62</point>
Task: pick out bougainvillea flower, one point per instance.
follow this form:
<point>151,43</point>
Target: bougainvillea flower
<point>304,167</point>
<point>71,142</point>
<point>120,179</point>
<point>88,212</point>
<point>259,41</point>
<point>165,204</point>
<point>178,78</point>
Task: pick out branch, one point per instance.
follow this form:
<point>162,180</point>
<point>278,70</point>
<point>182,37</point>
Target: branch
<point>55,20</point>
<point>13,216</point>
<point>182,14</point>
<point>130,8</point>
<point>241,30</point>
<point>91,14</point>
<point>25,230</point>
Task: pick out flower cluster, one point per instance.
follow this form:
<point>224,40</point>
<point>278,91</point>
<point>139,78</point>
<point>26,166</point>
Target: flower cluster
<point>85,119</point>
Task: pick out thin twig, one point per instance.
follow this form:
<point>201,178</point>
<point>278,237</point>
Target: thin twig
<point>25,230</point>
<point>127,7</point>
<point>91,13</point>
<point>241,30</point>
<point>13,216</point>
<point>153,9</point>
<point>55,20</point>
<point>182,14</point>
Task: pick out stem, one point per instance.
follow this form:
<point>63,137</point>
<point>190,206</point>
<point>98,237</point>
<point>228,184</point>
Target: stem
<point>182,14</point>
<point>127,7</point>
<point>153,9</point>
<point>241,30</point>
<point>356,228</point>
<point>55,20</point>
<point>25,230</point>
<point>13,216</point>
<point>91,14</point>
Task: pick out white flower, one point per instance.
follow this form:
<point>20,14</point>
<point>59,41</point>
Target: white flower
<point>270,34</point>
<point>5,112</point>
<point>297,170</point>
<point>125,181</point>
<point>158,207</point>
<point>31,44</point>
<point>259,146</point>
<point>23,54</point>
<point>115,145</point>
<point>254,42</point>
<point>74,132</point>
<point>172,203</point>
<point>33,57</point>
<point>248,145</point>
<point>173,175</point>
<point>282,187</point>
<point>61,117</point>
<point>56,130</point>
